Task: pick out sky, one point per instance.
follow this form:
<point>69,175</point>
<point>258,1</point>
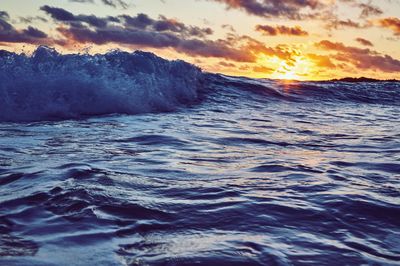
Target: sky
<point>288,39</point>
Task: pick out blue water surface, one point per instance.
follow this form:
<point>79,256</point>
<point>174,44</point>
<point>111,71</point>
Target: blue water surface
<point>232,172</point>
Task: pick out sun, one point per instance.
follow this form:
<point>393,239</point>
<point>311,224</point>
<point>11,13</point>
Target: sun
<point>298,69</point>
<point>295,67</point>
<point>288,75</point>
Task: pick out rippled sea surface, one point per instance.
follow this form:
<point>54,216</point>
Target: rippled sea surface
<point>241,177</point>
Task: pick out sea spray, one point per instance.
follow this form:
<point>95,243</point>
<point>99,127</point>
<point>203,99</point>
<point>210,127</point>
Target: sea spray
<point>49,85</point>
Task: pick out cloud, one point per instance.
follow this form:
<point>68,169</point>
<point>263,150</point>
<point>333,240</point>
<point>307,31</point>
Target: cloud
<point>58,13</point>
<point>368,10</point>
<point>143,31</point>
<point>321,61</point>
<point>275,8</point>
<point>65,16</point>
<point>364,42</point>
<point>4,15</point>
<point>263,69</point>
<point>163,24</point>
<point>116,3</point>
<point>226,64</point>
<point>143,38</point>
<point>337,24</point>
<point>140,21</point>
<point>30,19</point>
<point>391,23</point>
<point>9,34</point>
<point>112,3</point>
<point>365,59</point>
<point>281,30</point>
<point>82,1</point>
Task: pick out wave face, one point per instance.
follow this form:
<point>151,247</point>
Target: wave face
<point>51,86</point>
<point>386,93</point>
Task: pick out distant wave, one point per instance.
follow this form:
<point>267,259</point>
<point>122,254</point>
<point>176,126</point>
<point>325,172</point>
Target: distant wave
<point>323,91</point>
<point>51,86</point>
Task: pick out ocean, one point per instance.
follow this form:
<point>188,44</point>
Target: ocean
<point>130,159</point>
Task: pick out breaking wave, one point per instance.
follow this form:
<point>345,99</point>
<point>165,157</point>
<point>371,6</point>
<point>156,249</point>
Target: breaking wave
<point>50,86</point>
<point>255,172</point>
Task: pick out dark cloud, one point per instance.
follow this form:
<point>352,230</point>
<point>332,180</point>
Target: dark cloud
<point>4,15</point>
<point>163,24</point>
<point>65,16</point>
<point>143,31</point>
<point>34,33</point>
<point>339,24</point>
<point>58,13</point>
<point>293,9</point>
<point>364,42</point>
<point>368,10</point>
<point>144,38</point>
<point>322,10</point>
<point>229,28</point>
<point>30,20</point>
<point>112,3</point>
<point>116,3</point>
<point>334,21</point>
<point>140,21</point>
<point>281,30</point>
<point>365,59</point>
<point>349,23</point>
<point>82,1</point>
<point>8,34</point>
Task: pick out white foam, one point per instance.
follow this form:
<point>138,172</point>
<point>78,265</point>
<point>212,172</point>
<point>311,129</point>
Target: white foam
<point>48,85</point>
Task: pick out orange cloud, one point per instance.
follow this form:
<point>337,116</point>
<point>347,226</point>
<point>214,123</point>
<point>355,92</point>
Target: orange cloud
<point>364,42</point>
<point>321,60</point>
<point>281,30</point>
<point>365,59</point>
<point>263,69</point>
<point>226,64</point>
<point>391,23</point>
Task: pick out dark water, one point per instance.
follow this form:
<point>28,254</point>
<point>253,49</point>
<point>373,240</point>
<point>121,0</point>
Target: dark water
<point>236,172</point>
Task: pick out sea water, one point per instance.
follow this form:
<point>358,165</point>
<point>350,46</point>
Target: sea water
<point>129,159</point>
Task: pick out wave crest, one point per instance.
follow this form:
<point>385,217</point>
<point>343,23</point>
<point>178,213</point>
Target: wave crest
<point>49,85</point>
<point>52,86</point>
<point>386,93</point>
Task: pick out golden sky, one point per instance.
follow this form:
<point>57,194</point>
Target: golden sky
<point>292,39</point>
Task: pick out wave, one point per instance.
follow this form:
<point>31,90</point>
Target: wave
<point>51,86</point>
<point>312,91</point>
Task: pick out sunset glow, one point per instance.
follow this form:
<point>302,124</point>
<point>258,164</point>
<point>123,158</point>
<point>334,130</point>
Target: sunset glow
<point>304,40</point>
<point>199,132</point>
<point>298,70</point>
